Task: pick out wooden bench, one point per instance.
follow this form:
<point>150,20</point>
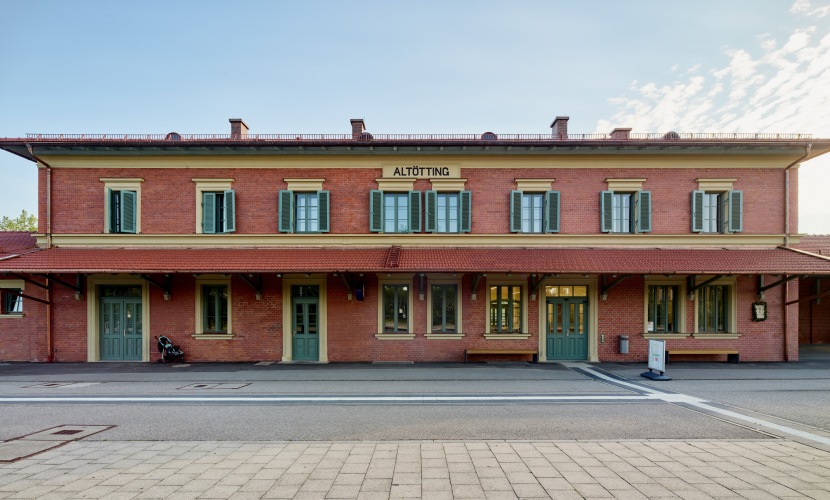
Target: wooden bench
<point>732,355</point>
<point>473,352</point>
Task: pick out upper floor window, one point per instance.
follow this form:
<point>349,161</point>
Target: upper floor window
<point>122,210</point>
<point>448,212</point>
<point>10,301</point>
<point>534,212</point>
<point>717,212</point>
<point>625,212</point>
<point>394,212</point>
<point>304,212</point>
<point>219,211</point>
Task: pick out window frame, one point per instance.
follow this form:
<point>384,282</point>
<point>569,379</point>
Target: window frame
<point>444,282</point>
<point>399,280</point>
<point>731,304</point>
<point>728,207</point>
<point>211,186</point>
<point>288,211</point>
<point>201,312</point>
<point>20,287</point>
<point>119,185</point>
<point>523,308</point>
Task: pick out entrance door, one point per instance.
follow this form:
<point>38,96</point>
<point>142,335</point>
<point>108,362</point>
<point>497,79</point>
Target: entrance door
<point>305,304</point>
<point>567,331</point>
<point>121,335</point>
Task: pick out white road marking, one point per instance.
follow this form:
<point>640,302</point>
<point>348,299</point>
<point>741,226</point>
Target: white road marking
<point>318,399</point>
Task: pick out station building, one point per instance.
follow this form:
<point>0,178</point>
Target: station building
<point>363,247</point>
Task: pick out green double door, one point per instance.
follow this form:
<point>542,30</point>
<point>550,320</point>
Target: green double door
<point>121,335</point>
<point>567,330</point>
<point>305,341</point>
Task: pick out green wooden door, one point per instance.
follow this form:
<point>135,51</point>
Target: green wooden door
<point>120,329</point>
<point>567,329</point>
<point>304,324</point>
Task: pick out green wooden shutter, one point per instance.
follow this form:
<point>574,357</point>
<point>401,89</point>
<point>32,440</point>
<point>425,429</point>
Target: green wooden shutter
<point>697,211</point>
<point>643,212</point>
<point>113,210</point>
<point>431,211</point>
<point>465,207</point>
<point>229,211</point>
<point>736,211</point>
<point>606,211</point>
<point>516,211</point>
<point>551,212</point>
<point>285,211</point>
<point>323,207</point>
<point>128,211</point>
<point>375,210</point>
<point>414,211</point>
<point>209,213</point>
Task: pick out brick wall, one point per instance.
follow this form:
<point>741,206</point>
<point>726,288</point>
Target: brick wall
<point>24,338</point>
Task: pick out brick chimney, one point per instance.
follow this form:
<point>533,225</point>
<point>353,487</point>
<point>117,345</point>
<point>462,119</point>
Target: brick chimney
<point>559,127</point>
<point>621,133</point>
<point>238,128</point>
<point>358,127</point>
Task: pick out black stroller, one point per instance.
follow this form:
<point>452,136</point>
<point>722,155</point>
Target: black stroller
<point>169,352</point>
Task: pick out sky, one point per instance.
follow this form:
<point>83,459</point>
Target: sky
<point>153,67</point>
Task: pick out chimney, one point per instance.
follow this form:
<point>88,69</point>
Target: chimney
<point>621,133</point>
<point>559,127</point>
<point>358,127</point>
<point>238,128</point>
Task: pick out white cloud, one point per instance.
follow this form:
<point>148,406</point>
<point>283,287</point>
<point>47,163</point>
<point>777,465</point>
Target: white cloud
<point>780,86</point>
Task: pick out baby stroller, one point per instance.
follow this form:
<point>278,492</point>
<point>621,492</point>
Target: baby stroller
<point>169,352</point>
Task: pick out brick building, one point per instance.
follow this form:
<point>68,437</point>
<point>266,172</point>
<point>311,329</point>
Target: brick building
<point>362,247</point>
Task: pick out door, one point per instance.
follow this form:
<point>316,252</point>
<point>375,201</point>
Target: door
<point>120,329</point>
<point>567,331</point>
<point>305,305</point>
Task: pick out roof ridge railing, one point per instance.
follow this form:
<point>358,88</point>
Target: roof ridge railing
<point>489,137</point>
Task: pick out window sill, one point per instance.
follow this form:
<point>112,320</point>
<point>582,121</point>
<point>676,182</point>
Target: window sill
<point>394,336</point>
<point>506,336</point>
<point>444,336</point>
<point>664,336</point>
<point>12,315</point>
<point>716,335</point>
<point>212,336</point>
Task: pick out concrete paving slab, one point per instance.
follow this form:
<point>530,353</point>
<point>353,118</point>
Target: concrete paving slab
<point>17,449</point>
<point>66,433</point>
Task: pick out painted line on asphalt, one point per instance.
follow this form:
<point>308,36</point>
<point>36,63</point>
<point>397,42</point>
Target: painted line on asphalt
<point>707,406</point>
<point>318,399</point>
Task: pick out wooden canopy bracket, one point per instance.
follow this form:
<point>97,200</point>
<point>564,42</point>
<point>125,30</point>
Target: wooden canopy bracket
<point>12,292</point>
<point>164,287</point>
<point>256,284</point>
<point>762,288</point>
<point>605,285</point>
<point>691,287</point>
<point>28,280</point>
<point>347,281</point>
<point>476,281</point>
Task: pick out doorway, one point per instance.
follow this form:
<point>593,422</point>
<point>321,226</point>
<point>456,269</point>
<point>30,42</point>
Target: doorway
<point>305,307</point>
<point>121,324</point>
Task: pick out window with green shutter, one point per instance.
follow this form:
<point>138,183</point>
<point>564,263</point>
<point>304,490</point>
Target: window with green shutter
<point>218,212</point>
<point>303,212</point>
<point>534,212</point>
<point>448,212</point>
<point>718,212</point>
<point>122,209</point>
<point>625,212</point>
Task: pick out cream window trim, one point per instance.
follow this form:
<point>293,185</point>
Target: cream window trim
<point>444,336</point>
<point>732,282</point>
<point>386,184</point>
<point>717,336</point>
<point>629,185</point>
<point>304,184</point>
<point>534,184</point>
<point>458,301</point>
<point>497,280</point>
<point>16,284</point>
<point>93,313</point>
<point>207,185</point>
<point>398,279</point>
<point>506,336</point>
<point>448,184</point>
<point>713,185</point>
<point>200,327</point>
<point>212,336</point>
<point>122,184</point>
<point>665,336</point>
<point>681,299</point>
<point>395,336</point>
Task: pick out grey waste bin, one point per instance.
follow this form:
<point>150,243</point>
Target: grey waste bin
<point>623,344</point>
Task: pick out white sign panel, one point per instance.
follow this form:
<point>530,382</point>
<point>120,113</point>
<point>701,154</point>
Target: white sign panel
<point>657,355</point>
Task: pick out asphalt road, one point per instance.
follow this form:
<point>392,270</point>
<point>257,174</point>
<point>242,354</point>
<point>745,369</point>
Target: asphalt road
<point>247,402</point>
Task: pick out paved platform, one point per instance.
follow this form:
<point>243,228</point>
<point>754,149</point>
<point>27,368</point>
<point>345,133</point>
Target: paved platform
<point>689,469</point>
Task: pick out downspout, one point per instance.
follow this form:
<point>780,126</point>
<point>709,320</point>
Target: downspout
<point>49,354</point>
<point>787,244</point>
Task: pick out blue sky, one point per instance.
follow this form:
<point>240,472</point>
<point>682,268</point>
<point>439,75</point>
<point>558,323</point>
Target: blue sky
<point>416,67</point>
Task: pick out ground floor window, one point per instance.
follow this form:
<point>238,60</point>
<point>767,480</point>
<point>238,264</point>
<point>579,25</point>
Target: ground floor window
<point>506,309</point>
<point>713,309</point>
<point>396,308</point>
<point>662,309</point>
<point>444,308</point>
<point>10,301</point>
<point>215,308</point>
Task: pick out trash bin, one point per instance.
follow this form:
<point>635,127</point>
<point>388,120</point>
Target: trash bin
<point>623,344</point>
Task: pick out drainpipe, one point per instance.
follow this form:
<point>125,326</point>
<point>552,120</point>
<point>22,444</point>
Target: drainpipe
<point>786,244</point>
<point>787,194</point>
<point>49,354</point>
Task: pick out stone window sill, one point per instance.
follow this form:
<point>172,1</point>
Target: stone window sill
<point>716,336</point>
<point>394,336</point>
<point>444,336</point>
<point>212,336</point>
<point>506,336</point>
<point>665,336</point>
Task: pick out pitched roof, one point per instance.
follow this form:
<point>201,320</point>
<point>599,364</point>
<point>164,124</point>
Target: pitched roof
<point>815,243</point>
<point>397,259</point>
<point>14,242</point>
